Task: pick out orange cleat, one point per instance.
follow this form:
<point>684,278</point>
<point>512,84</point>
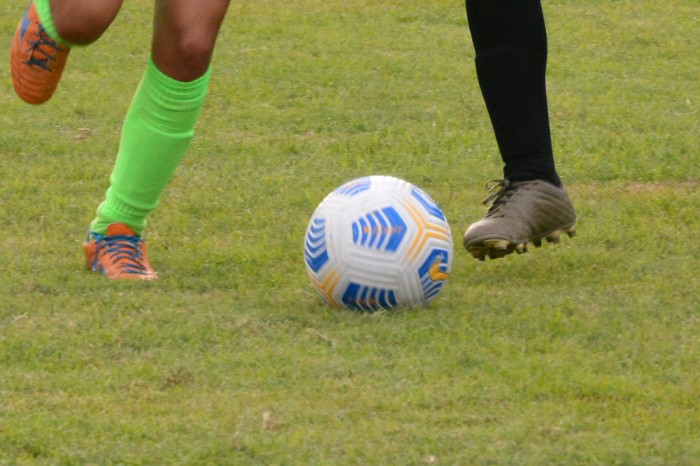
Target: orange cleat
<point>37,61</point>
<point>120,254</point>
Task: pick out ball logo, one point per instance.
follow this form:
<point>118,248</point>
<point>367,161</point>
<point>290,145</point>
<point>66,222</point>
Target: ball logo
<point>381,229</point>
<point>436,273</point>
<point>433,273</point>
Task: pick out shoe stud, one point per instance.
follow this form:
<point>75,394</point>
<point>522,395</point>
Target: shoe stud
<point>497,245</point>
<point>553,237</point>
<point>497,253</point>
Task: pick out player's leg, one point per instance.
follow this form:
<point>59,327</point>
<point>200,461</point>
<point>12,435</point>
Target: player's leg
<point>184,35</point>
<point>81,22</point>
<point>43,39</point>
<point>510,42</point>
<point>157,132</point>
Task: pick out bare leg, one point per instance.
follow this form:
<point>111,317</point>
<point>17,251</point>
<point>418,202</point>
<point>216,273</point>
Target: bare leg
<point>184,36</point>
<point>82,22</point>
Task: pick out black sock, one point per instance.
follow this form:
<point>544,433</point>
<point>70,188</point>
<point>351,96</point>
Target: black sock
<point>510,41</point>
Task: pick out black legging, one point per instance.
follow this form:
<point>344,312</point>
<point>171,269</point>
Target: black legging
<point>510,41</point>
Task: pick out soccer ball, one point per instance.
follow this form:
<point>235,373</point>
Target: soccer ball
<point>378,242</point>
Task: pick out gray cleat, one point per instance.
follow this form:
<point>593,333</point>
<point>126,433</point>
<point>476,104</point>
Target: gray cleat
<point>522,212</point>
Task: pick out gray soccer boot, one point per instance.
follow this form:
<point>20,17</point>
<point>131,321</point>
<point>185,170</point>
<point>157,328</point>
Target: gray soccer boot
<point>522,212</point>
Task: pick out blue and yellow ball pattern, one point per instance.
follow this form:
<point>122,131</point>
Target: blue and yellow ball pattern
<point>377,243</point>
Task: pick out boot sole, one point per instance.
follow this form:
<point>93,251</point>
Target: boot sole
<point>497,248</point>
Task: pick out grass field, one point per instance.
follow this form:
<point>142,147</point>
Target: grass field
<point>587,352</point>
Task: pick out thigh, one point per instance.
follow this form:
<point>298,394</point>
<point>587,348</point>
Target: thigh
<point>83,21</point>
<point>184,35</point>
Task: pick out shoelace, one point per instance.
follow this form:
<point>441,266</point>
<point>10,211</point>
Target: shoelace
<point>505,191</point>
<point>43,39</point>
<point>125,252</point>
<point>491,185</point>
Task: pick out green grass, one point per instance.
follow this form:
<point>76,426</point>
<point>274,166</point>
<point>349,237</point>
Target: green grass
<point>586,352</point>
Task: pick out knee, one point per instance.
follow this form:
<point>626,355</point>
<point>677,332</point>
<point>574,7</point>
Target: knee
<point>185,56</point>
<point>80,35</point>
<point>195,50</point>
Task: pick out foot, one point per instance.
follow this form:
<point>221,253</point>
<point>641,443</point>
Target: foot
<point>37,61</point>
<point>119,254</point>
<point>522,212</point>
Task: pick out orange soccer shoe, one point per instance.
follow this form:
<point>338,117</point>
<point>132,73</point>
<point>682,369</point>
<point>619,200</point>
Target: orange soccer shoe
<point>36,60</point>
<point>120,254</point>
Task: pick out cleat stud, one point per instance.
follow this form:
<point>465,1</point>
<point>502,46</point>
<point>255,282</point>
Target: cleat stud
<point>496,253</point>
<point>520,248</point>
<point>537,242</point>
<point>571,232</point>
<point>553,237</point>
<point>477,253</point>
<point>500,245</point>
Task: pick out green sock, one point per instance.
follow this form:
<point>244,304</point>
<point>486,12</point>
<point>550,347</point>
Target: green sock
<point>157,132</point>
<point>43,9</point>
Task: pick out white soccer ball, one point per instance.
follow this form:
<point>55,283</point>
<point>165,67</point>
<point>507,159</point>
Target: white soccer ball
<point>378,242</point>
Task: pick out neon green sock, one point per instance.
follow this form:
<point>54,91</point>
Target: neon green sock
<point>43,9</point>
<point>157,132</point>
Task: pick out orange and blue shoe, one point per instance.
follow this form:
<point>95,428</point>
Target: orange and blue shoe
<point>119,254</point>
<point>37,61</point>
